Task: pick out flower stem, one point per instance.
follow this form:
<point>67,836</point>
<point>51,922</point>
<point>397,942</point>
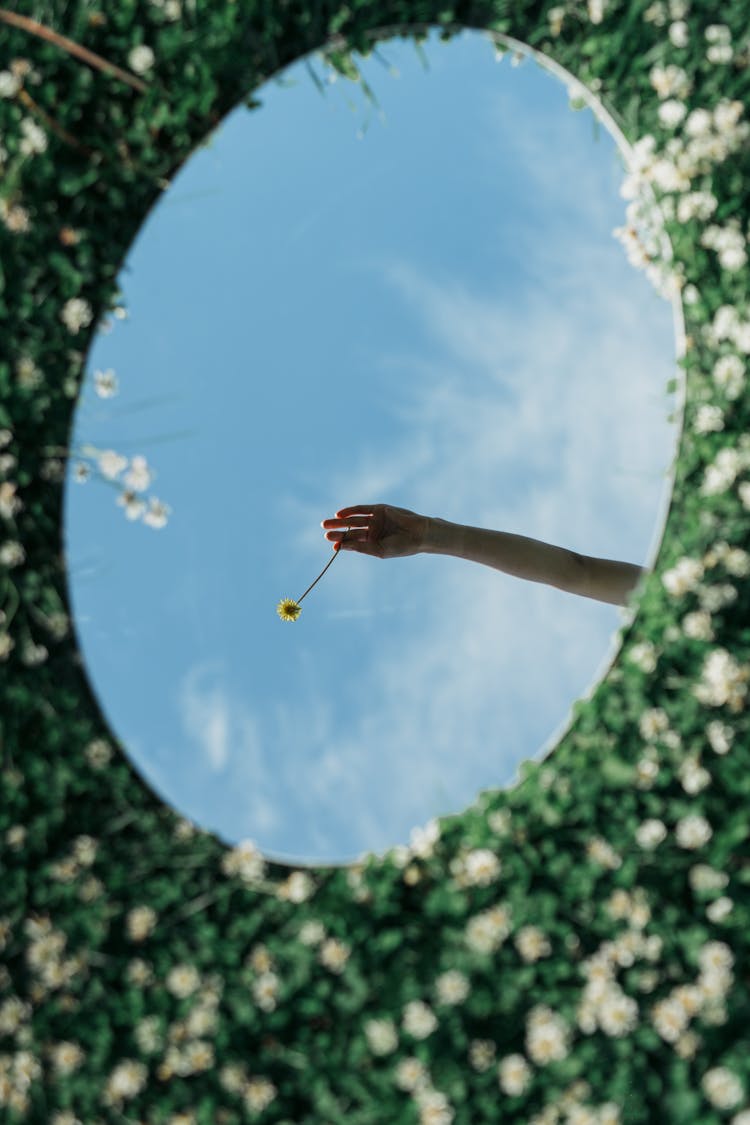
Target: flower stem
<point>325,568</point>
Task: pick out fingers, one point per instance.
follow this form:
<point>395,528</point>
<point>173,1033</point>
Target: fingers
<point>346,536</point>
<point>359,509</point>
<point>353,521</point>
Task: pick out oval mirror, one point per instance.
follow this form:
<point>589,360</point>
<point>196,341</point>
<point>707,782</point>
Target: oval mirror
<point>424,306</point>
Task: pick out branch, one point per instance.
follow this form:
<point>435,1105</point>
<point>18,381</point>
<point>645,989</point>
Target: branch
<point>72,47</point>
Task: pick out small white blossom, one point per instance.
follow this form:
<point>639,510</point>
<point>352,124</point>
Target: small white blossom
<point>139,476</point>
<point>77,314</point>
<point>105,383</point>
<point>514,1075</point>
<point>650,833</point>
<point>718,910</point>
<point>708,419</point>
<point>141,59</point>
<point>34,137</point>
<point>722,1087</point>
<point>157,513</point>
<point>381,1036</point>
<point>419,1020</point>
<point>183,980</point>
<point>693,831</point>
<point>9,84</point>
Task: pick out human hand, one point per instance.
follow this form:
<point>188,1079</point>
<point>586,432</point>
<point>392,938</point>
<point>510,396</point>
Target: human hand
<point>377,529</point>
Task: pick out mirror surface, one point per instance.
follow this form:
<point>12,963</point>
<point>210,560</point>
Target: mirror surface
<point>432,312</point>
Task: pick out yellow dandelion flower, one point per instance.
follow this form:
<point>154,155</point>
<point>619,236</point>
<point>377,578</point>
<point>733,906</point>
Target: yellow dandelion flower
<point>288,610</point>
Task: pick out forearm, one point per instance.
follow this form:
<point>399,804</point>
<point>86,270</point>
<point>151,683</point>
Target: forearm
<point>603,580</point>
<point>513,554</point>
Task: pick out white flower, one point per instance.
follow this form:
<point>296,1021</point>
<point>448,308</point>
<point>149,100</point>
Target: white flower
<point>532,943</point>
<point>719,737</point>
<point>481,1054</point>
<point>671,112</point>
<point>718,910</point>
<point>722,1087</point>
<point>723,681</point>
<point>141,59</point>
<point>311,933</point>
<point>650,833</point>
<point>670,80</point>
<point>381,1036</point>
<point>699,123</point>
<point>669,1018</point>
<point>596,10</point>
<point>486,932</point>
<point>514,1075</point>
<point>737,562</point>
<point>9,84</point>
<point>482,867</point>
<point>618,1013</point>
<point>111,463</point>
<point>105,383</point>
<point>653,722</point>
<point>722,53</point>
<point>139,477</point>
<point>678,34</point>
<point>693,777</point>
<point>140,921</point>
<point>334,954</point>
<point>716,957</point>
<point>266,990</point>
<point>410,1074</point>
<point>698,625</point>
<point>683,577</point>
<point>156,516</point>
<point>298,886</point>
<point>9,502</point>
<point>419,1019</point>
<point>703,877</point>
<point>12,553</point>
<point>126,1080</point>
<point>134,507</point>
<point>721,475</point>
<point>693,831</point>
<point>76,314</point>
<point>452,987</point>
<point>733,258</point>
<point>244,859</point>
<point>727,114</point>
<point>643,656</point>
<point>34,137</point>
<point>708,418</point>
<point>423,838</point>
<point>546,1036</point>
<point>183,980</point>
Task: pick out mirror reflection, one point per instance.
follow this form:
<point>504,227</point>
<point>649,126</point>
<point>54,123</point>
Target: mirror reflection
<point>429,313</point>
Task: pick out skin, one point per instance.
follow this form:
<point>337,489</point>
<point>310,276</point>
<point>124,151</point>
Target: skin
<point>386,532</point>
<point>377,529</point>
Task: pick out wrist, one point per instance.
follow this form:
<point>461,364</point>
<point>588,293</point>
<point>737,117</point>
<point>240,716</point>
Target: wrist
<point>439,536</point>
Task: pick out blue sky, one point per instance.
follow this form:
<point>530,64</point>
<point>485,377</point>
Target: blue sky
<point>422,305</point>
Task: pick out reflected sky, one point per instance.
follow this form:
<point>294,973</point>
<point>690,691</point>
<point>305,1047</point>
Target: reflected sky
<point>430,312</point>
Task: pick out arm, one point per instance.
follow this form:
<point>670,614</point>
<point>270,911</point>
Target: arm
<point>601,579</point>
<point>388,532</point>
<point>610,581</point>
<point>513,554</point>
